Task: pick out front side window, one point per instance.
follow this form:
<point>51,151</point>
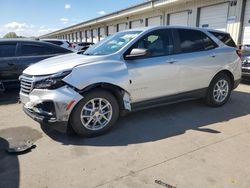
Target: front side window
<point>193,41</point>
<point>158,43</point>
<point>7,50</point>
<point>112,44</point>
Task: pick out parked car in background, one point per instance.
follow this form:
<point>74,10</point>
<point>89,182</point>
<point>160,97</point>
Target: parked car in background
<point>245,50</point>
<point>17,54</point>
<point>82,46</point>
<point>131,70</point>
<point>62,43</point>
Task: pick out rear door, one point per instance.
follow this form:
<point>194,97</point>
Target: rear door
<point>8,62</point>
<point>30,53</point>
<point>196,57</point>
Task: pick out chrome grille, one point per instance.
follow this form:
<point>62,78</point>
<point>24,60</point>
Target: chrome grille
<point>27,84</point>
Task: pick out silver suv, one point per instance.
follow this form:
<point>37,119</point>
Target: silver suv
<point>131,70</point>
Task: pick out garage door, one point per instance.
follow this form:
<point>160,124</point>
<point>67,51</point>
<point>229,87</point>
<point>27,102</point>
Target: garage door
<point>111,30</point>
<point>95,35</point>
<point>154,21</point>
<point>136,24</point>
<point>122,26</point>
<point>214,17</point>
<point>83,36</point>
<point>246,30</point>
<point>89,39</point>
<point>102,33</point>
<point>180,18</point>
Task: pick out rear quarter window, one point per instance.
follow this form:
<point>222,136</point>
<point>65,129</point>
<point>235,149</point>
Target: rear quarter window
<point>225,38</point>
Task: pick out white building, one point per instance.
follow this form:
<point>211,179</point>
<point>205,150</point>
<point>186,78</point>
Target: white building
<point>232,16</point>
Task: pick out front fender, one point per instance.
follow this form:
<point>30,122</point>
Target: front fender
<point>107,71</point>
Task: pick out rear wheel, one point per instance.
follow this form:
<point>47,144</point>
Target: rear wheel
<point>219,90</point>
<point>95,114</point>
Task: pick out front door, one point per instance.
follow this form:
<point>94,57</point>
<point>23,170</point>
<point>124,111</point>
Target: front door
<point>154,75</point>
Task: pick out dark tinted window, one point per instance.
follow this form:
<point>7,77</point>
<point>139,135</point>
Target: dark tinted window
<point>193,41</point>
<point>59,43</point>
<point>35,49</point>
<point>7,50</point>
<point>61,50</point>
<point>225,38</point>
<point>158,43</point>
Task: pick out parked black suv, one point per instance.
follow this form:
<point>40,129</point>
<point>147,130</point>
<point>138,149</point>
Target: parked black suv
<point>18,54</point>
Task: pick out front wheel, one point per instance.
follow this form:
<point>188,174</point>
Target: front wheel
<point>219,90</point>
<point>95,114</point>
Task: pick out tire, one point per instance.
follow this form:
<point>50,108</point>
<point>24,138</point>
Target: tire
<point>90,117</point>
<point>212,98</point>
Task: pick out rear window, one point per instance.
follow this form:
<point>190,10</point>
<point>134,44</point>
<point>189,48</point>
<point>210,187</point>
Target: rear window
<point>60,50</point>
<point>7,50</point>
<point>59,43</point>
<point>225,38</point>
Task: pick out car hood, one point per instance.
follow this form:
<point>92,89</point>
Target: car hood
<point>60,63</point>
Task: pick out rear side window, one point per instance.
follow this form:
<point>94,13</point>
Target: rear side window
<point>225,38</point>
<point>7,50</point>
<point>193,41</point>
<point>34,50</point>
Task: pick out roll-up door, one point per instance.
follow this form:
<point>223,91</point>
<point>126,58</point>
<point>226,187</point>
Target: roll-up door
<point>122,26</point>
<point>179,18</point>
<point>246,25</point>
<point>111,30</point>
<point>136,24</point>
<point>83,36</point>
<point>214,17</point>
<point>102,33</point>
<point>154,21</point>
<point>89,39</point>
<point>95,35</point>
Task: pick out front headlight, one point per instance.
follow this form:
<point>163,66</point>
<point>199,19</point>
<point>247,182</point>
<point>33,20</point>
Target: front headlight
<point>52,82</point>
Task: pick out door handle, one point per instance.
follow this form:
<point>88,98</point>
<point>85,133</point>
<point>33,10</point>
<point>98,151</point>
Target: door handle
<point>171,61</point>
<point>11,64</point>
<point>213,55</point>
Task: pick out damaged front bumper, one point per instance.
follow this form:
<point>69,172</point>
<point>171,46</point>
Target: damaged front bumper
<point>50,106</point>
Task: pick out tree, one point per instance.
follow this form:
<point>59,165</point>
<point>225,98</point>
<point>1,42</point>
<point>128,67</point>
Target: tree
<point>11,35</point>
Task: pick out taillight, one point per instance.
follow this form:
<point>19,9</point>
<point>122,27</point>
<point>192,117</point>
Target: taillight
<point>239,53</point>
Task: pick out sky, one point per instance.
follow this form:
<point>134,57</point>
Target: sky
<point>37,17</point>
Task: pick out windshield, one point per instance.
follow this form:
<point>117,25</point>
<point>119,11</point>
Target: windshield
<point>112,43</point>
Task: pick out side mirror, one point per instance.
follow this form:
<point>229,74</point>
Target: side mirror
<point>137,53</point>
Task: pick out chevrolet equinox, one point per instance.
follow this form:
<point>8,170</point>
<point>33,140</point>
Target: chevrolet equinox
<point>128,71</point>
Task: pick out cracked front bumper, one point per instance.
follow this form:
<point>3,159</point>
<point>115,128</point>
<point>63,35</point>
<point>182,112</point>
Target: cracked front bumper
<point>50,106</point>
